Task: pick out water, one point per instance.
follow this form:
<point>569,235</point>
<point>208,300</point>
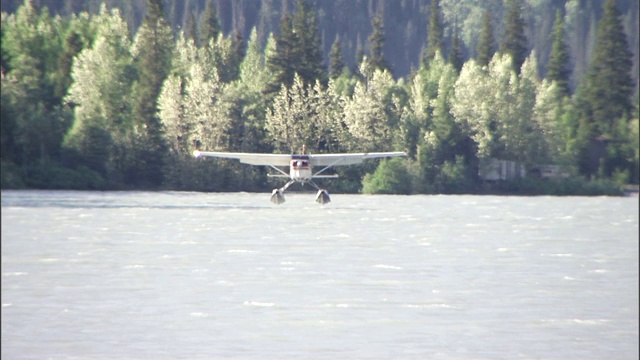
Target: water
<point>230,276</point>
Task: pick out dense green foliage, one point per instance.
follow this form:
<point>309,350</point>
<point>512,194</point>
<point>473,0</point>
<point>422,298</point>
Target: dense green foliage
<point>209,25</point>
<point>558,67</point>
<point>376,45</point>
<point>391,177</point>
<point>435,38</point>
<point>486,42</point>
<point>514,42</point>
<point>88,102</point>
<point>336,60</point>
<point>605,105</point>
<point>407,24</point>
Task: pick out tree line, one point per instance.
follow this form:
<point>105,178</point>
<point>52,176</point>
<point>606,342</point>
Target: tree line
<point>409,23</point>
<point>86,105</point>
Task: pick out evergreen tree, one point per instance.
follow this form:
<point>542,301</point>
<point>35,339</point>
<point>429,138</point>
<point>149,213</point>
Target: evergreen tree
<point>100,136</point>
<point>305,25</point>
<point>444,151</point>
<point>486,43</point>
<point>252,104</point>
<point>523,137</point>
<point>558,69</point>
<point>298,50</point>
<point>73,46</point>
<point>234,58</point>
<point>376,45</point>
<point>34,80</point>
<point>435,35</point>
<point>152,52</point>
<point>335,59</point>
<point>253,73</point>
<point>604,96</point>
<point>608,79</point>
<point>191,27</point>
<point>209,24</point>
<point>359,56</point>
<point>238,46</point>
<point>515,41</point>
<point>223,56</point>
<point>282,62</point>
<point>455,55</point>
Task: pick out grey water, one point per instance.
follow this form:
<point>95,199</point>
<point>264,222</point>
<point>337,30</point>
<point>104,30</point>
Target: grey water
<point>171,275</point>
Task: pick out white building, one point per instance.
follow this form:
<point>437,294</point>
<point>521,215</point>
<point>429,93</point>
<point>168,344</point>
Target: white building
<point>492,169</point>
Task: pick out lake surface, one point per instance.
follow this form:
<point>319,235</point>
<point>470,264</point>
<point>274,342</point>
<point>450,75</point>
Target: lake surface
<point>170,275</point>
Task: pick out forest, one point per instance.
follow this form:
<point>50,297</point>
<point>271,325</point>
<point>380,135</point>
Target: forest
<point>116,95</point>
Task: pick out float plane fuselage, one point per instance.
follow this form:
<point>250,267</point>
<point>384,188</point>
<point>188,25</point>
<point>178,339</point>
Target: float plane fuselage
<point>300,167</point>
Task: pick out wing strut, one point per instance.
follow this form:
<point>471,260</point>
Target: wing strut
<point>327,167</point>
<point>280,171</point>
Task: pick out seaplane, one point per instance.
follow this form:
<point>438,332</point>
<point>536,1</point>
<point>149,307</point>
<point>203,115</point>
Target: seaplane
<point>300,167</point>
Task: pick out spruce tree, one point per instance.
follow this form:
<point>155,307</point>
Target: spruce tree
<point>558,67</point>
<point>101,96</point>
<point>281,63</point>
<point>305,25</point>
<point>238,47</point>
<point>376,44</point>
<point>359,58</point>
<point>210,24</point>
<point>73,44</point>
<point>435,34</point>
<point>336,61</point>
<point>455,55</point>
<point>486,44</point>
<point>298,50</point>
<point>152,59</point>
<point>190,28</point>
<point>603,99</point>
<point>515,41</point>
<point>608,79</point>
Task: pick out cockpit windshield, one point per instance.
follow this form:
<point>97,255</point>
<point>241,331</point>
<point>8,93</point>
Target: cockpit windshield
<point>300,163</point>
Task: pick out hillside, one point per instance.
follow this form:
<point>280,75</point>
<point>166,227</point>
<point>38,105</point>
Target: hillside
<point>405,21</point>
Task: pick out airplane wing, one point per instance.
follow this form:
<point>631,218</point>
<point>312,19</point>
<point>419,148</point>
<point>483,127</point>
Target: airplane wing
<point>284,159</point>
<point>249,158</point>
<point>349,159</point>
